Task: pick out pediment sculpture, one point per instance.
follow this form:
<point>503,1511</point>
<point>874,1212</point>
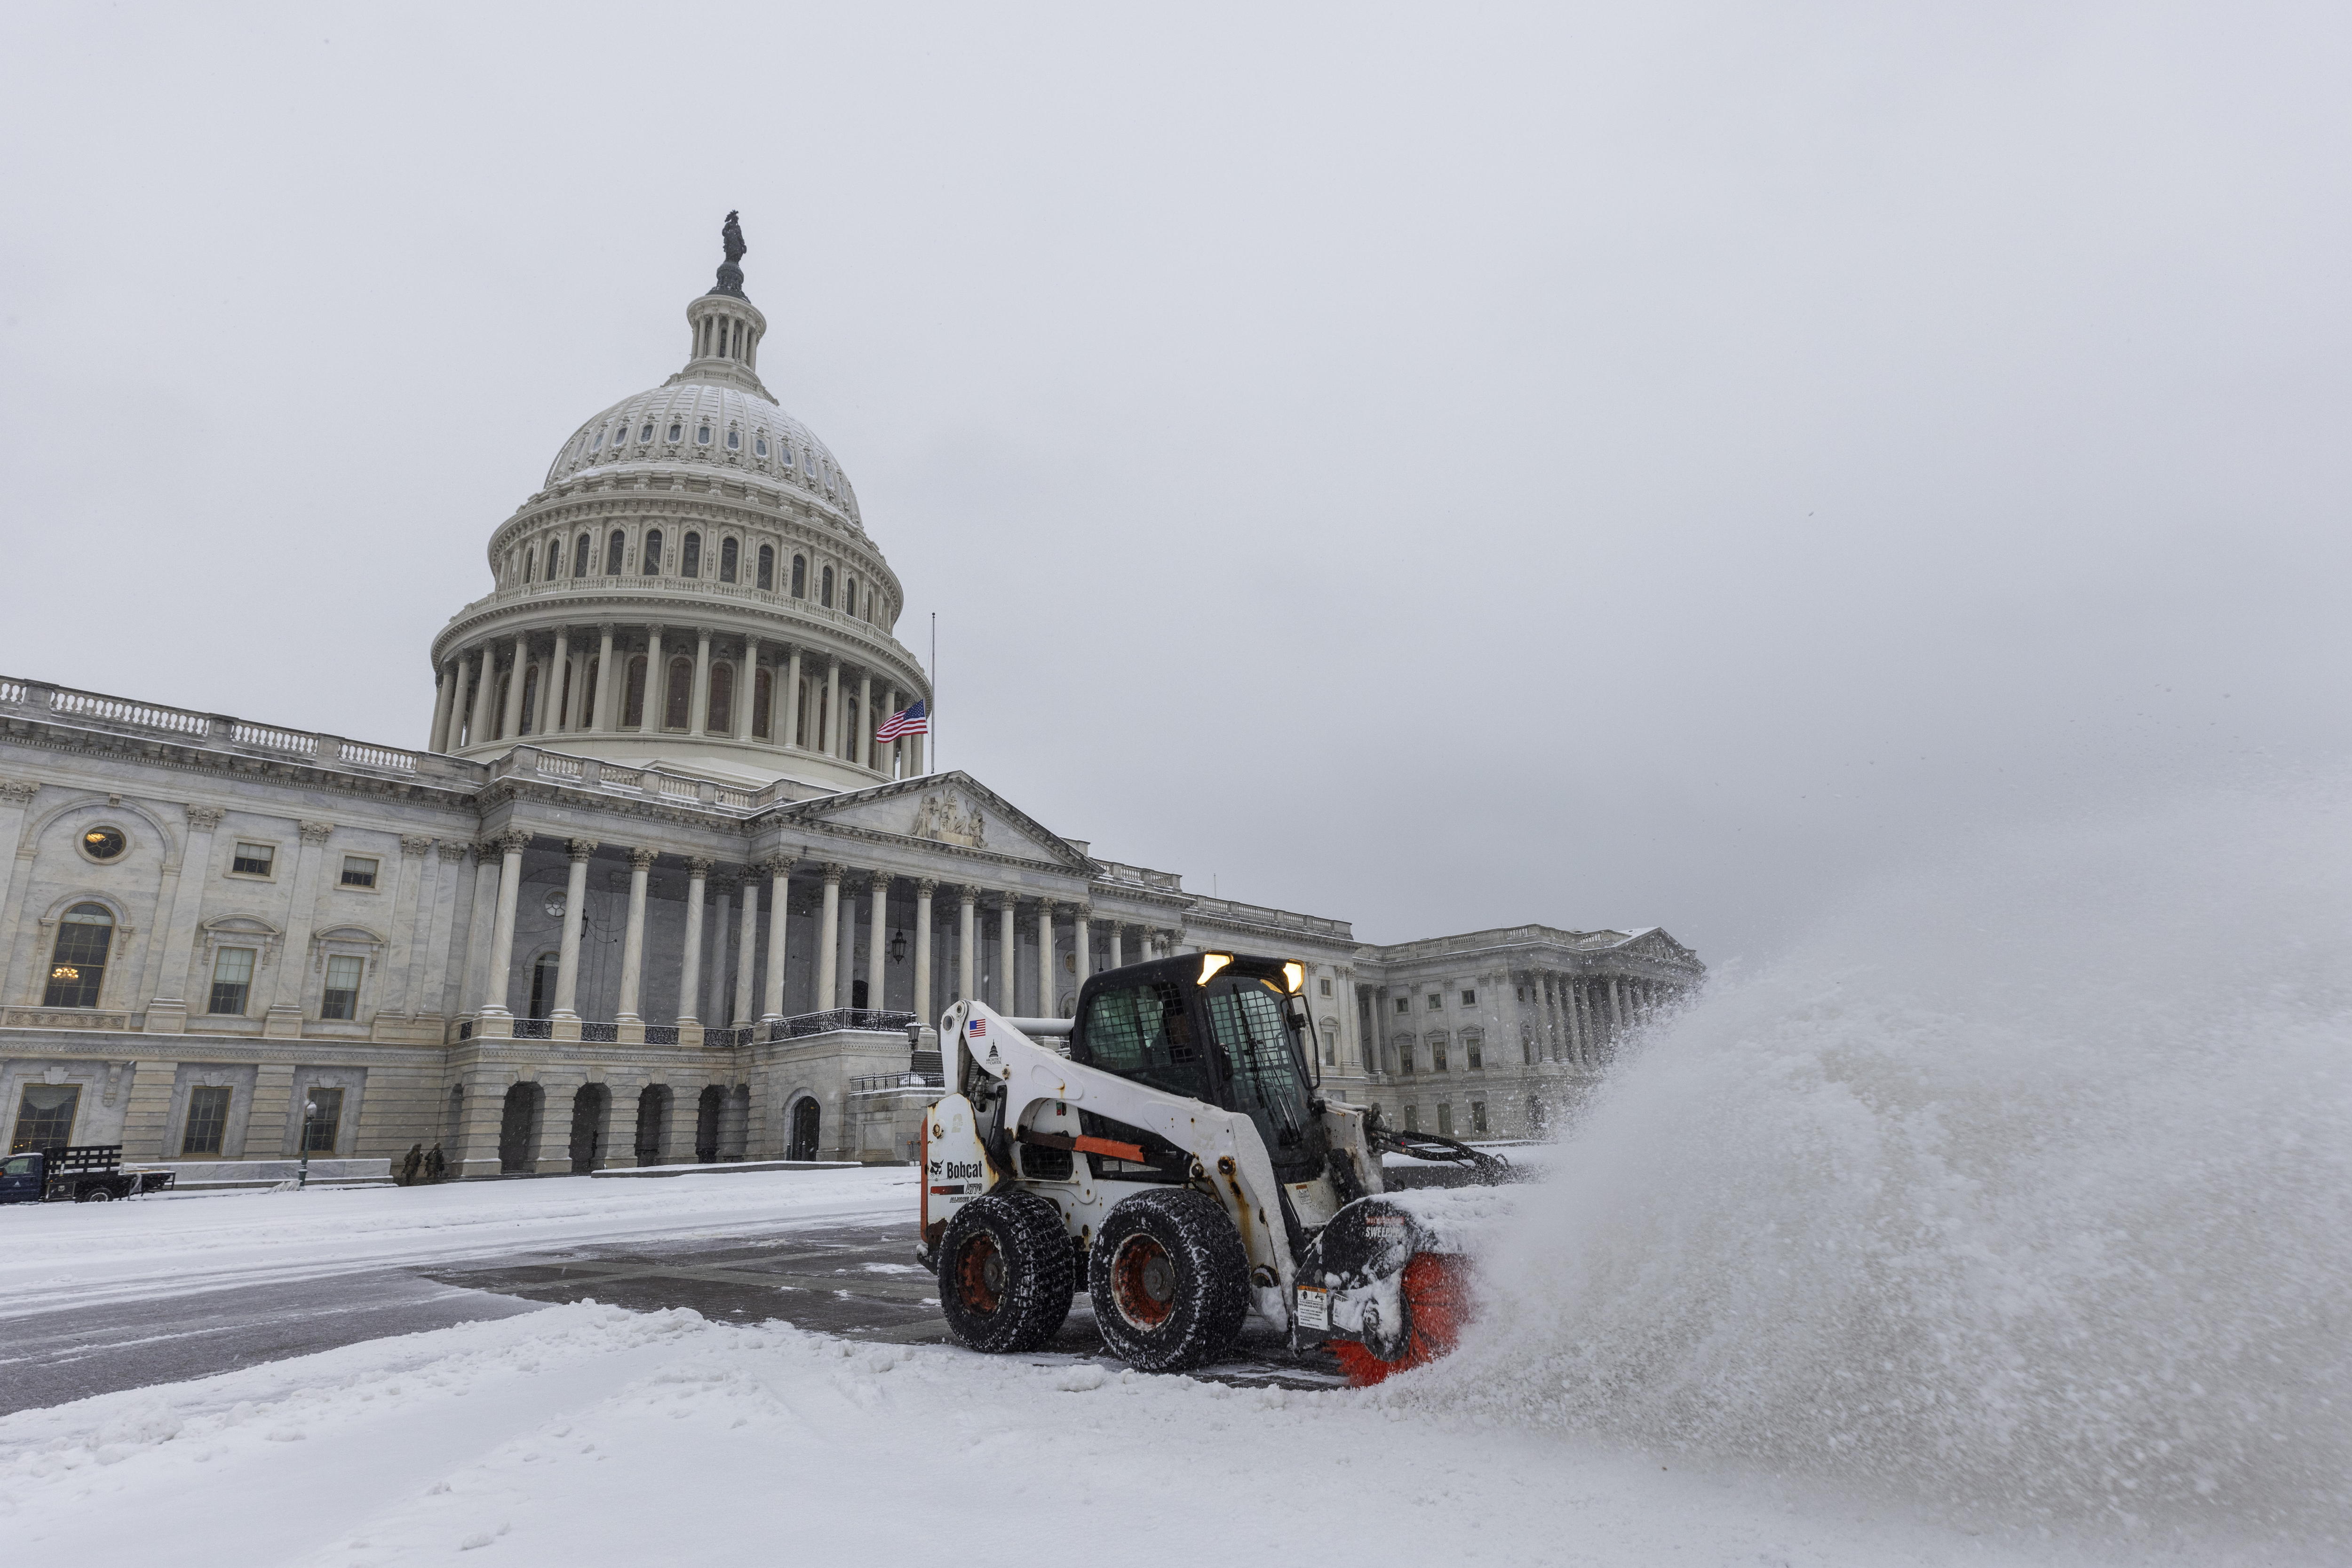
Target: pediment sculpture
<point>946,818</point>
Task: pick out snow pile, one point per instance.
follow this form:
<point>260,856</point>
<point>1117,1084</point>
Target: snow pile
<point>2027,1190</point>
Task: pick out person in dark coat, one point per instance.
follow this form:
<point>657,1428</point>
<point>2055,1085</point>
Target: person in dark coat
<point>412,1165</point>
<point>434,1166</point>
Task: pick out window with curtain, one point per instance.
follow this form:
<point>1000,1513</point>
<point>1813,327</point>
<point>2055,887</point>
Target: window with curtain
<point>321,1121</point>
<point>232,981</point>
<point>78,961</point>
<point>207,1122</point>
<point>45,1116</point>
<point>341,1000</point>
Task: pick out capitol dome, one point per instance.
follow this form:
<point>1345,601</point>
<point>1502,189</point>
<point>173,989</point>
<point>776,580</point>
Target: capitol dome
<point>691,587</point>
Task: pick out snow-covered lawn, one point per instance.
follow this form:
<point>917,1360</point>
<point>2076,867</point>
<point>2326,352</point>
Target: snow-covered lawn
<point>56,1255</point>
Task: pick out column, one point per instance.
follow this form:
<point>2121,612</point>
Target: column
<point>779,871</point>
<point>698,702</point>
<point>915,757</point>
<point>845,970</point>
<point>1119,944</point>
<point>1082,933</point>
<point>509,846</point>
<point>477,929</point>
<point>1045,976</point>
<point>554,695</point>
<point>512,720</point>
<point>885,751</point>
<point>417,986</point>
<point>967,945</point>
<point>1576,1026</point>
<point>747,692</point>
<point>179,921</point>
<point>393,973</point>
<point>649,721</point>
<point>1008,956</point>
<point>1616,1007</point>
<point>713,1005</point>
<point>575,909</point>
<point>924,888</point>
<point>878,944</point>
<point>828,937</point>
<point>861,745</point>
<point>445,702</point>
<point>746,951</point>
<point>829,742</point>
<point>689,972</point>
<point>486,685</point>
<point>285,1015</point>
<point>633,938</point>
<point>788,705</point>
<point>433,999</point>
<point>603,714</point>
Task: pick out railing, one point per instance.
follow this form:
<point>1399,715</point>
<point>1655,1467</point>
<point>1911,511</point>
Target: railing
<point>534,1029</point>
<point>661,1034</point>
<point>827,1022</point>
<point>883,1082</point>
<point>599,1034</point>
<point>728,1038</point>
<point>38,699</point>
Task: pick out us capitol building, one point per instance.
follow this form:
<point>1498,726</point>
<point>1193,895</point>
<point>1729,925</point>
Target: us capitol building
<point>651,892</point>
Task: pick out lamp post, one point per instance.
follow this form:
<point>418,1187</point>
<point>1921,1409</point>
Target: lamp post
<point>302,1176</point>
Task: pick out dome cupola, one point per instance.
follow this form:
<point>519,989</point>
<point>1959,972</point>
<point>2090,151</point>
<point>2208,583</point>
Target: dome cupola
<point>692,586</point>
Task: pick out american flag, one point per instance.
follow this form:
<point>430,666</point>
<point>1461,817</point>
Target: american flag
<point>979,1026</point>
<point>906,721</point>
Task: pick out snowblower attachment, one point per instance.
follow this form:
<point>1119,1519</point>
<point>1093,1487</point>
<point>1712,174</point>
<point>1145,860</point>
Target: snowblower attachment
<point>1386,1284</point>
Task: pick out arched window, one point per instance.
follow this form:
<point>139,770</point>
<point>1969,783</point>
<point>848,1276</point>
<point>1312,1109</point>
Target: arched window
<point>849,737</point>
<point>676,429</point>
<point>767,569</point>
<point>554,560</point>
<point>579,548</point>
<point>633,702</point>
<point>760,447</point>
<point>650,563</point>
<point>530,700</point>
<point>702,435</point>
<point>849,593</point>
<point>720,719</point>
<point>77,962</point>
<point>597,444</point>
<point>529,559</point>
<point>614,548</point>
<point>763,691</point>
<point>677,702</point>
<point>825,588</point>
<point>800,577</point>
<point>588,694</point>
<point>647,433</point>
<point>734,440</point>
<point>730,556</point>
<point>690,556</point>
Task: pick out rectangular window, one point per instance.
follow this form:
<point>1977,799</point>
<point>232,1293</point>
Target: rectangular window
<point>1404,1057</point>
<point>1446,1121</point>
<point>253,859</point>
<point>207,1120</point>
<point>1437,1054</point>
<point>1142,1033</point>
<point>1469,999</point>
<point>341,997</point>
<point>1404,1004</point>
<point>232,980</point>
<point>1474,1051</point>
<point>1412,1118</point>
<point>45,1116</point>
<point>1477,1116</point>
<point>1326,985</point>
<point>1436,1001</point>
<point>320,1120</point>
<point>359,871</point>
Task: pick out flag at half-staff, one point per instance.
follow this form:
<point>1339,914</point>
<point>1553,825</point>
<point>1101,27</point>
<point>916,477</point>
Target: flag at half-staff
<point>906,721</point>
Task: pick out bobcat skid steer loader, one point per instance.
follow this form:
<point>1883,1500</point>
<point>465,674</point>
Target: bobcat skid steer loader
<point>1172,1159</point>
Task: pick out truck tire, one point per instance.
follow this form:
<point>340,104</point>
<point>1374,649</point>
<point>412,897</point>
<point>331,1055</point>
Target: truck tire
<point>94,1195</point>
<point>1169,1281</point>
<point>1006,1275</point>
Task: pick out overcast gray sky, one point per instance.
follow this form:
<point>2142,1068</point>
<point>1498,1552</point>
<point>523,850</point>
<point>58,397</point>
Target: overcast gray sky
<point>1440,467</point>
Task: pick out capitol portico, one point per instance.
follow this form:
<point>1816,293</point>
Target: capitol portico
<point>653,891</point>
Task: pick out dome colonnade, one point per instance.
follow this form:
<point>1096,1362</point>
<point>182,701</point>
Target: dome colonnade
<point>692,582</point>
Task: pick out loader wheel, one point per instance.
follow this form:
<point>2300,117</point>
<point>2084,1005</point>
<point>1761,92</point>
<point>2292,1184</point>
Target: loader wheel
<point>1006,1273</point>
<point>1169,1281</point>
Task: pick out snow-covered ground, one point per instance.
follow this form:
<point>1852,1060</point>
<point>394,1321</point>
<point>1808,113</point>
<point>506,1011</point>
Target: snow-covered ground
<point>53,1256</point>
<point>585,1434</point>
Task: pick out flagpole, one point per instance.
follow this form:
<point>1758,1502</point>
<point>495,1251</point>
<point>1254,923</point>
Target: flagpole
<point>933,750</point>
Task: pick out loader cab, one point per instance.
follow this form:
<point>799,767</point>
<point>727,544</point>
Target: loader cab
<point>1222,1027</point>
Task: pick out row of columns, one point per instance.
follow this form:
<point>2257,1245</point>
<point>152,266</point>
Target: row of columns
<point>571,707</point>
<point>835,945</point>
<point>1583,1016</point>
